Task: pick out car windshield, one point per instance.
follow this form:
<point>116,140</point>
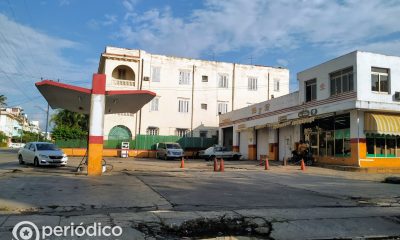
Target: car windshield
<point>174,146</point>
<point>46,146</point>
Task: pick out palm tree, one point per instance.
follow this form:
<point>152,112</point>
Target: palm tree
<point>3,100</point>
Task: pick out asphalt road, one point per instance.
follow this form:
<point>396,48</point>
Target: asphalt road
<point>289,200</point>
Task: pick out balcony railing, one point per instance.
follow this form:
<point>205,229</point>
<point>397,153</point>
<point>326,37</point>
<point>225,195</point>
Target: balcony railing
<point>125,83</point>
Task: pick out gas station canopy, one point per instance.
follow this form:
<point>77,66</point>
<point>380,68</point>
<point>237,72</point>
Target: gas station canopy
<point>77,99</point>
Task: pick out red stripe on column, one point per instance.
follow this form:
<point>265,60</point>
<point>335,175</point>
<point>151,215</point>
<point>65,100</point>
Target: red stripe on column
<point>99,84</point>
<point>356,140</point>
<point>96,139</point>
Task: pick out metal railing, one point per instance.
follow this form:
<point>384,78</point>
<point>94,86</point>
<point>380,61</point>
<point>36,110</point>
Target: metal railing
<point>125,83</point>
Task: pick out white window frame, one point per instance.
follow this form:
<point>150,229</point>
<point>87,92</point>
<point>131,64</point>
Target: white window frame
<point>155,74</point>
<point>182,132</point>
<point>223,81</point>
<point>222,107</point>
<point>276,85</point>
<point>154,104</point>
<point>183,105</point>
<point>185,77</point>
<point>380,74</point>
<point>153,131</point>
<point>252,83</point>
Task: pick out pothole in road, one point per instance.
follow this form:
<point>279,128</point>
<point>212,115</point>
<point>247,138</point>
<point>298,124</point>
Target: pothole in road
<point>231,228</point>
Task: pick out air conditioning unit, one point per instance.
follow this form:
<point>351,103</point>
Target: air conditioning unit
<point>146,79</point>
<point>397,96</point>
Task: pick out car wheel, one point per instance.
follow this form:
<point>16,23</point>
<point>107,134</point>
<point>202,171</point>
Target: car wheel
<point>211,158</point>
<point>36,162</point>
<point>21,159</point>
<point>165,157</point>
<point>235,157</point>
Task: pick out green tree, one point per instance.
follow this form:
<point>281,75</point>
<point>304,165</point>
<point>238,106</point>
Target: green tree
<point>69,125</point>
<point>28,137</point>
<point>3,100</point>
<point>3,139</point>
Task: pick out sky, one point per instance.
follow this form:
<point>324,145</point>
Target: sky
<point>63,39</point>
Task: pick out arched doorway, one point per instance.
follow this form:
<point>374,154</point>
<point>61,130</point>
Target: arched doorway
<point>120,132</point>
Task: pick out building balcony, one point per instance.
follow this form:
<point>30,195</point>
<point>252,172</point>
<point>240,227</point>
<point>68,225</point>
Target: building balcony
<point>121,84</point>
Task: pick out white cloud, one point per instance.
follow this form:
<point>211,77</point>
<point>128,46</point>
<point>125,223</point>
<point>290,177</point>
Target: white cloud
<point>108,20</point>
<point>282,62</point>
<point>26,56</point>
<point>226,26</point>
<point>129,4</point>
<point>64,2</point>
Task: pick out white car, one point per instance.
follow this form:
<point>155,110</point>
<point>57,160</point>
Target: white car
<point>42,153</point>
<point>169,150</point>
<point>219,152</point>
<point>17,145</point>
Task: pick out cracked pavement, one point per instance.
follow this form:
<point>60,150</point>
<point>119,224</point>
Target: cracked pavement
<point>153,199</point>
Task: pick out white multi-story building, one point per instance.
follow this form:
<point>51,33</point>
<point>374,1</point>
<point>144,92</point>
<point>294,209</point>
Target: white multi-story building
<point>191,93</point>
<point>348,109</point>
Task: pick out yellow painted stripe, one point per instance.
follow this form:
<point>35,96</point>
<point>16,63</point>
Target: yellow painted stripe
<point>95,156</point>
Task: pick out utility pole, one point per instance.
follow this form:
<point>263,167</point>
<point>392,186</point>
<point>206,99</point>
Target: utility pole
<point>47,122</point>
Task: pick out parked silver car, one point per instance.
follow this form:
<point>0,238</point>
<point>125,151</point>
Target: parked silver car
<point>217,151</point>
<point>167,150</point>
<point>42,153</point>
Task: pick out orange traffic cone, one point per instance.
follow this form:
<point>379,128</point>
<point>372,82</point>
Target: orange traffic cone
<point>221,166</point>
<point>303,166</point>
<point>215,165</point>
<point>266,163</point>
<point>182,163</point>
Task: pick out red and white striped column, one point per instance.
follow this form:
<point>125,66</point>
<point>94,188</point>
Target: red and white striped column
<point>96,125</point>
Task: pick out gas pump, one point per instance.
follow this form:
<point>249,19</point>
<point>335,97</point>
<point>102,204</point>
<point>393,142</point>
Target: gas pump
<point>124,149</point>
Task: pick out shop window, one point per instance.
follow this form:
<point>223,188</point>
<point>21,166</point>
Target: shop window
<point>370,147</point>
<point>347,146</point>
<point>322,144</point>
<point>311,90</point>
<point>390,146</point>
<point>330,143</point>
<point>397,146</point>
<point>329,136</point>
<point>339,143</point>
<point>379,147</point>
<point>383,146</point>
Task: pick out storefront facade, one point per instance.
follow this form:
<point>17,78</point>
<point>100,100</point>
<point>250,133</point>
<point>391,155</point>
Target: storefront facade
<point>348,109</point>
